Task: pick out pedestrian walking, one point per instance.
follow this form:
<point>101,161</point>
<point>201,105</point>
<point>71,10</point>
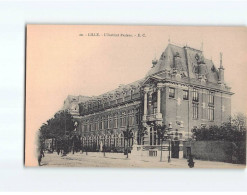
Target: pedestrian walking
<point>191,163</point>
<point>41,154</point>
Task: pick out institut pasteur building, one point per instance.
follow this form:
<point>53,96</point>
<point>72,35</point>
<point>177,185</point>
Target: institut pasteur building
<point>182,90</point>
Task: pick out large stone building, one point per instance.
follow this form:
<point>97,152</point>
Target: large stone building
<point>183,90</point>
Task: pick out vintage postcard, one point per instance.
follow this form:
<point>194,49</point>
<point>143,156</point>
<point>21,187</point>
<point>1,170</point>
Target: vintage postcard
<point>135,96</point>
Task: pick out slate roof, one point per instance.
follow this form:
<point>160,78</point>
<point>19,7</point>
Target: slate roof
<point>135,84</point>
<point>187,62</point>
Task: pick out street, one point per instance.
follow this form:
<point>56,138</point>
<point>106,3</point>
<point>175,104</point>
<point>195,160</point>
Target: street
<point>118,160</point>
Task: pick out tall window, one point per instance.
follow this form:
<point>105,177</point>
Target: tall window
<point>155,137</point>
<point>94,125</point>
<point>195,110</point>
<point>97,124</point>
<point>85,127</point>
<point>101,123</point>
<point>111,121</point>
<point>131,117</point>
<point>211,106</point>
<point>211,113</point>
<point>122,140</point>
<point>171,92</point>
<point>151,136</point>
<point>185,94</point>
<point>116,141</point>
<point>108,121</point>
<point>195,95</point>
<point>90,126</point>
<point>124,118</point>
<point>115,121</point>
<point>137,117</point>
<point>121,119</point>
<point>211,98</point>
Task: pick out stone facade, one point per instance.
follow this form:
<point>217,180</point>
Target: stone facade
<point>183,90</point>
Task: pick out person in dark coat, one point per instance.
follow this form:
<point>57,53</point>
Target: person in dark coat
<point>39,159</point>
<point>42,152</point>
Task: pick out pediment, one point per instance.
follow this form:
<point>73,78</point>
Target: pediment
<point>151,80</point>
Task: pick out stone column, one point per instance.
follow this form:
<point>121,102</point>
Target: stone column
<point>150,111</point>
<point>146,137</point>
<point>158,114</point>
<point>145,103</point>
<point>158,97</point>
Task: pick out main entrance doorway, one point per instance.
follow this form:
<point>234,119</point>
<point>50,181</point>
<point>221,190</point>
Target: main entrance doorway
<point>175,149</point>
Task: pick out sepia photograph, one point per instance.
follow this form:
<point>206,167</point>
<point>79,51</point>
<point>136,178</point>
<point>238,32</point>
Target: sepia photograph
<point>133,96</point>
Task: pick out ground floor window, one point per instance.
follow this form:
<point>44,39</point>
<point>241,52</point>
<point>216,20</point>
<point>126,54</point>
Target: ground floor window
<point>195,110</point>
<point>211,113</point>
<point>151,136</point>
<point>154,137</point>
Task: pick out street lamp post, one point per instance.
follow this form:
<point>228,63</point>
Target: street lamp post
<point>169,157</point>
<point>161,150</point>
<point>169,137</point>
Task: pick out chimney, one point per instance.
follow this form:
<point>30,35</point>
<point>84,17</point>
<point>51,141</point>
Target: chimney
<point>221,71</point>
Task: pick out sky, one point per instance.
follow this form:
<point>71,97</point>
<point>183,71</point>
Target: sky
<point>61,62</point>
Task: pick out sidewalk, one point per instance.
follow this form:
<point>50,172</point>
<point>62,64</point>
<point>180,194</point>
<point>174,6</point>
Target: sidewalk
<point>97,159</point>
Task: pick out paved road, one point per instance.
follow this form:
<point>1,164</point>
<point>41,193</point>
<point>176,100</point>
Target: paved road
<point>119,160</point>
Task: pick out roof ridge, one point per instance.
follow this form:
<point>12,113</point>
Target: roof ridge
<point>184,46</point>
<point>111,91</point>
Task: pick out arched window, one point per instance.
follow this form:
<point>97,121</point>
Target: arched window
<point>90,141</point>
<point>115,140</point>
<point>98,141</point>
<point>112,140</point>
<point>87,141</point>
<point>109,140</point>
<point>83,141</point>
<point>121,140</point>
